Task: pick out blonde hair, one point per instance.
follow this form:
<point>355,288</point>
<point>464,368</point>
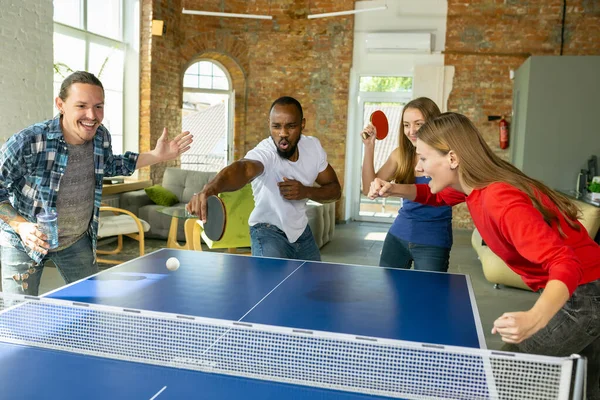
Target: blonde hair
<point>407,155</point>
<point>479,166</point>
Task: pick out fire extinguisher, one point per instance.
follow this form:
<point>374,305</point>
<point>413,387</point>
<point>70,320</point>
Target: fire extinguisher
<point>503,133</point>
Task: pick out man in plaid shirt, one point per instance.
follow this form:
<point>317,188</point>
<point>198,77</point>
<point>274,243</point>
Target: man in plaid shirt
<point>59,165</point>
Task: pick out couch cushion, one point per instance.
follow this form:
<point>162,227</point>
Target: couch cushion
<point>122,224</point>
<point>185,183</point>
<point>161,196</point>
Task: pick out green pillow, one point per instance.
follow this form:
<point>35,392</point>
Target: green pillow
<point>161,196</point>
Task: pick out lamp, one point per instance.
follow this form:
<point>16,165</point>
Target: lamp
<point>158,27</point>
<point>223,14</point>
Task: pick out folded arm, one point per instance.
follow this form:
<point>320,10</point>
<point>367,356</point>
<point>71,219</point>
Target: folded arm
<point>329,188</point>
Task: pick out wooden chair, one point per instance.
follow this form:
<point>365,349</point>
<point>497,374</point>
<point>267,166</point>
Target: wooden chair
<point>238,206</point>
<point>118,222</point>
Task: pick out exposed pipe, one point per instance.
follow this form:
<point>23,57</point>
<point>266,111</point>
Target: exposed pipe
<point>562,29</point>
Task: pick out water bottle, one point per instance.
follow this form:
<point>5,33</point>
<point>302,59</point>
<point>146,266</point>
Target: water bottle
<point>48,224</point>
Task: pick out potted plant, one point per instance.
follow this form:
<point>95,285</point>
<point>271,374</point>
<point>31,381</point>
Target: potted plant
<point>594,189</point>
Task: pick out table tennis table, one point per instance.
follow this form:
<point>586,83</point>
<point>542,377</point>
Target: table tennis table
<point>225,326</point>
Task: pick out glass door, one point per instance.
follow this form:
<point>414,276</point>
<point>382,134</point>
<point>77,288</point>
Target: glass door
<point>388,94</point>
<point>387,208</point>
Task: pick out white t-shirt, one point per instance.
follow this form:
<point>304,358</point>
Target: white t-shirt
<point>270,206</point>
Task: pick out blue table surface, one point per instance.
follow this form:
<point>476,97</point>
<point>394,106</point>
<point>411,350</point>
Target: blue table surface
<point>366,301</point>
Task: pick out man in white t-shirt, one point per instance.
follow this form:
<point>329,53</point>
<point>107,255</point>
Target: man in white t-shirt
<point>283,170</point>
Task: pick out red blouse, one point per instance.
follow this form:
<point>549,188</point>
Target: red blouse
<point>516,231</point>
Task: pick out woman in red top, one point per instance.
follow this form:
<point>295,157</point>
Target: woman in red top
<point>531,227</point>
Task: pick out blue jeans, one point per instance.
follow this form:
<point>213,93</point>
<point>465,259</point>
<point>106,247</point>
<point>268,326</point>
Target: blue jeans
<point>398,253</point>
<point>20,274</point>
<point>575,329</point>
<point>267,240</point>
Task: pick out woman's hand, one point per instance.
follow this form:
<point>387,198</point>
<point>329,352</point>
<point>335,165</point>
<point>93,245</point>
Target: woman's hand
<point>379,188</point>
<point>368,135</point>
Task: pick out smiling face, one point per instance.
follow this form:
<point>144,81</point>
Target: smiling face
<point>286,126</point>
<point>82,112</point>
<point>412,120</point>
<point>441,168</point>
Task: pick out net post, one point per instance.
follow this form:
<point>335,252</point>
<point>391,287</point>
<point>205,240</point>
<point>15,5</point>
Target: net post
<point>579,377</point>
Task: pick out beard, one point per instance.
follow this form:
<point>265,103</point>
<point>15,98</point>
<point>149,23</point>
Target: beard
<point>290,150</point>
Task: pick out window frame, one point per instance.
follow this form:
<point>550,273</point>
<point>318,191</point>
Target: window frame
<point>90,38</point>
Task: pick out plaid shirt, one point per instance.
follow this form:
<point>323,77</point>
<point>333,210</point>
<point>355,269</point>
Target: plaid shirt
<point>33,161</point>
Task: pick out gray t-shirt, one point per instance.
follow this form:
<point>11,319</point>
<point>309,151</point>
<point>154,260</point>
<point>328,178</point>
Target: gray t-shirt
<point>75,197</point>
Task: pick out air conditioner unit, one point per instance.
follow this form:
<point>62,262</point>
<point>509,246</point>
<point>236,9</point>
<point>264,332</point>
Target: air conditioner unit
<point>405,42</point>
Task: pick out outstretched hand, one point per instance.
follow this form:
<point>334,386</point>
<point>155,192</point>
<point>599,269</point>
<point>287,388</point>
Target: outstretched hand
<point>167,150</point>
<point>197,204</point>
<point>379,188</point>
<point>292,189</point>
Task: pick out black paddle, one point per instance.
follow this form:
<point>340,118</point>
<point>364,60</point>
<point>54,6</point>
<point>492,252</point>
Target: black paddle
<point>216,218</point>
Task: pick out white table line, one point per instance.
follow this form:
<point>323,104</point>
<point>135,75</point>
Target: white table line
<point>158,394</point>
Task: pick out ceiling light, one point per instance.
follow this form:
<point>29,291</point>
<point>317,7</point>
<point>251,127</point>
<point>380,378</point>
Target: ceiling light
<point>223,14</point>
<point>349,12</point>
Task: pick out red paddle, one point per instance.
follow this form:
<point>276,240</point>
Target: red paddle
<point>380,122</point>
<point>216,218</point>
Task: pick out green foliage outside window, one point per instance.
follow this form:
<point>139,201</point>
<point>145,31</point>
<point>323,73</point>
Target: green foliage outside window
<point>386,83</point>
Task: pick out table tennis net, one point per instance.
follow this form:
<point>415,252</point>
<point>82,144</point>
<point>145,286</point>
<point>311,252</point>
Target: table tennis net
<point>375,366</point>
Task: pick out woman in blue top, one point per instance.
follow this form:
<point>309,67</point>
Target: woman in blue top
<point>420,234</point>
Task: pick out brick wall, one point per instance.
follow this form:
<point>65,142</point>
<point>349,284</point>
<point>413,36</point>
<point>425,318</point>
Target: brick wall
<point>26,64</point>
<point>486,39</point>
<point>289,55</point>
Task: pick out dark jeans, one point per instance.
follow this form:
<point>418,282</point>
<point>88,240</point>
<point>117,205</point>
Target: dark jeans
<point>398,253</point>
<point>575,329</point>
<point>269,241</point>
<point>20,274</point>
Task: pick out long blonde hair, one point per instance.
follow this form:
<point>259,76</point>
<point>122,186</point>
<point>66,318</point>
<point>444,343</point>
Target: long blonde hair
<point>479,166</point>
<point>407,157</point>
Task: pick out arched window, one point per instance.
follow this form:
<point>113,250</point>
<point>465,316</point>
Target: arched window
<point>205,75</point>
<point>206,112</point>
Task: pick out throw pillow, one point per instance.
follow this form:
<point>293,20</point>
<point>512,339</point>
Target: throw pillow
<point>161,196</point>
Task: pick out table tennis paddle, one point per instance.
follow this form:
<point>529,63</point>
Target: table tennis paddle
<point>380,122</point>
<point>216,218</point>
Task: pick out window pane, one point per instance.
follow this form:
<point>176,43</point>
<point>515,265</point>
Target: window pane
<point>113,118</point>
<point>68,12</point>
<point>386,83</point>
<point>69,56</point>
<point>192,69</point>
<point>218,72</point>
<point>205,68</point>
<point>205,82</point>
<point>220,83</point>
<point>107,64</point>
<point>190,81</point>
<point>56,87</point>
<point>104,18</point>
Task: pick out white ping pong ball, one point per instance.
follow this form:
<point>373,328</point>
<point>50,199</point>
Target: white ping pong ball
<point>172,264</point>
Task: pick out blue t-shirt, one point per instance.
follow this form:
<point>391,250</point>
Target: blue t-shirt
<point>421,224</point>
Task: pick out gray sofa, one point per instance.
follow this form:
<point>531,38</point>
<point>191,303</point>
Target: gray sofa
<point>184,183</point>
